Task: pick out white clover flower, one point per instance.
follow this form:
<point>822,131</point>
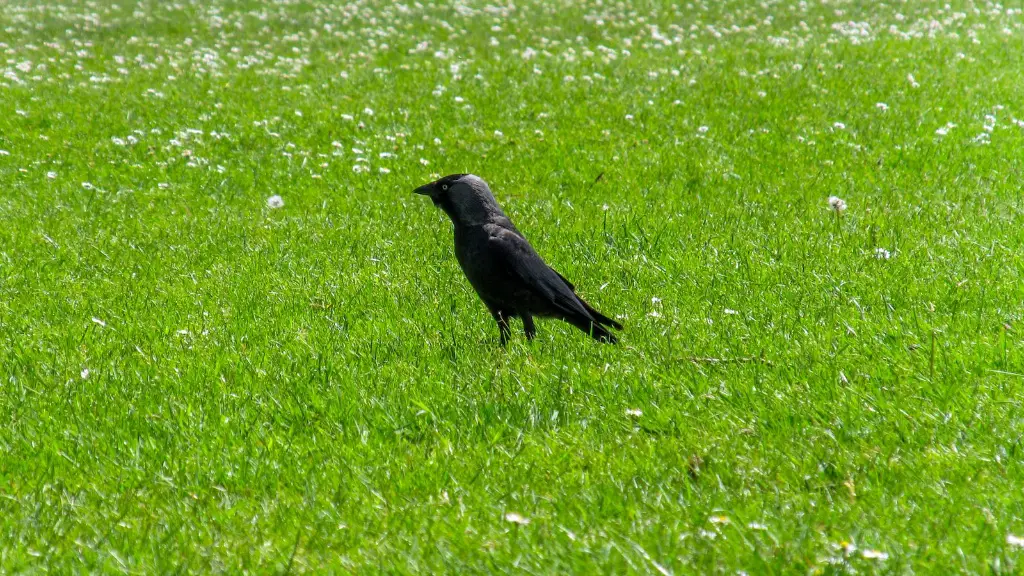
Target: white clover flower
<point>499,134</point>
<point>882,106</point>
<point>424,161</point>
<point>882,254</point>
<point>839,126</point>
<point>836,203</point>
<point>51,175</point>
<point>358,168</point>
<point>275,201</point>
<point>85,373</point>
<point>383,170</point>
<point>87,185</point>
<point>634,412</point>
<point>703,129</point>
<point>368,111</point>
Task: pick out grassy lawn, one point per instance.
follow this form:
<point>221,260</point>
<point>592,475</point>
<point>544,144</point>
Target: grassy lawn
<point>192,379</point>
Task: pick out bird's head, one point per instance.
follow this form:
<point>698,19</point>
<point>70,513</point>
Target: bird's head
<point>441,190</point>
<point>464,197</point>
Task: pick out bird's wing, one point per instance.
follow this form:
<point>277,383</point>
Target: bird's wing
<point>567,283</point>
<point>523,261</point>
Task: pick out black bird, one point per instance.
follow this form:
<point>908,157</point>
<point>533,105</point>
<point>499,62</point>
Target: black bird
<point>507,273</point>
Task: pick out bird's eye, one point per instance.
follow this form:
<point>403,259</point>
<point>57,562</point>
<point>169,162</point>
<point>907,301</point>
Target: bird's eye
<point>444,186</point>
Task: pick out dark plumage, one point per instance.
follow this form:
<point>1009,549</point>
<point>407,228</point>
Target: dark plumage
<point>507,273</point>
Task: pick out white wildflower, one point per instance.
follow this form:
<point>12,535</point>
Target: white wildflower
<point>703,129</point>
<point>360,168</point>
<point>1015,540</point>
<point>275,201</point>
<point>51,175</point>
<point>874,554</point>
<point>87,185</point>
<point>499,134</point>
<point>424,161</point>
<point>517,519</point>
<point>719,519</point>
<point>845,547</point>
<point>839,126</point>
<point>882,106</point>
<point>383,170</point>
<point>368,111</point>
<point>85,373</point>
<point>882,254</point>
<point>96,320</point>
<point>634,412</point>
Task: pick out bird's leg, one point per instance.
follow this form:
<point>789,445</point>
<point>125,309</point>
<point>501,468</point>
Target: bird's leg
<point>528,328</point>
<point>502,318</point>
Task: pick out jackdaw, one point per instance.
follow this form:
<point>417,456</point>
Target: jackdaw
<point>507,273</point>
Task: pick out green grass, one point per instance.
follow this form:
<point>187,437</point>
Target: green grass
<point>191,380</point>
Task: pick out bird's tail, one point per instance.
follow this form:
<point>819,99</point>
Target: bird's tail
<point>595,324</point>
<point>593,329</point>
<point>598,317</point>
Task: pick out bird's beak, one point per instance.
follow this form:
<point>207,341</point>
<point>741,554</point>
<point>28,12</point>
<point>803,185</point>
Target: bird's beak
<point>426,189</point>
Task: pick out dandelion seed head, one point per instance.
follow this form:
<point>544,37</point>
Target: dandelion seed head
<point>836,203</point>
